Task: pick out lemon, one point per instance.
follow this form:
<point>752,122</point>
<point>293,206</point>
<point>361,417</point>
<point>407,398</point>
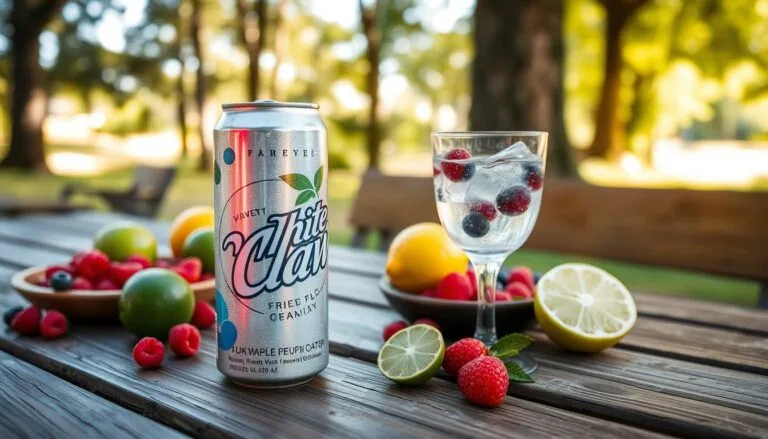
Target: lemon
<point>413,355</point>
<point>421,256</point>
<point>187,222</point>
<point>583,308</point>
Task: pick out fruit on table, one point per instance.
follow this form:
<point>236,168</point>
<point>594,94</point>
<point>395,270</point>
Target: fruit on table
<point>204,315</point>
<point>61,281</point>
<point>106,284</point>
<point>187,222</point>
<point>524,275</point>
<point>503,296</point>
<point>184,340</point>
<point>583,308</point>
<point>462,352</point>
<point>149,353</point>
<point>413,355</point>
<point>81,283</point>
<point>189,268</point>
<point>49,271</point>
<point>455,286</point>
<point>10,313</point>
<point>53,325</point>
<point>199,244</point>
<point>484,381</point>
<point>518,290</point>
<point>393,328</point>
<point>123,239</point>
<point>140,259</point>
<point>27,321</point>
<point>120,272</point>
<point>154,300</point>
<point>426,321</point>
<point>92,265</point>
<point>421,256</point>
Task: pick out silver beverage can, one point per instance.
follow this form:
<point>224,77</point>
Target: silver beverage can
<point>271,228</point>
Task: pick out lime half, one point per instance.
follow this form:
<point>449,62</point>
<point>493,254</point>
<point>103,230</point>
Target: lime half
<point>413,355</point>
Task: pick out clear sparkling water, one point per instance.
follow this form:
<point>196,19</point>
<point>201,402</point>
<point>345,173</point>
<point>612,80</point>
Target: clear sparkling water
<point>492,175</point>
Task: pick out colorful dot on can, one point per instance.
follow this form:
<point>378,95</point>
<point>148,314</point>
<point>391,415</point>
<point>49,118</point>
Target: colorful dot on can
<point>227,335</point>
<point>221,308</point>
<point>229,156</point>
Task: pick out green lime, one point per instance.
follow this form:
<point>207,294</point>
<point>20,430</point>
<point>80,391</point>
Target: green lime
<point>200,245</point>
<point>413,355</point>
<point>154,300</point>
<point>122,239</point>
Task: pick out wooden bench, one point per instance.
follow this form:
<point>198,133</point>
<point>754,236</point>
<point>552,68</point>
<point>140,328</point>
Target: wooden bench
<point>143,197</point>
<point>720,232</point>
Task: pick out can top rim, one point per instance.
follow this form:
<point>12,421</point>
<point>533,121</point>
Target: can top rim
<point>267,103</point>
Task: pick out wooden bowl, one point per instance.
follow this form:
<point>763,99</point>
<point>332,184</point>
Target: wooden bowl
<point>456,318</point>
<point>84,304</point>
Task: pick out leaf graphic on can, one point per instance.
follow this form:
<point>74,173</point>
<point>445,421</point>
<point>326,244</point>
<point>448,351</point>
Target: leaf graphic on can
<point>297,181</point>
<point>304,197</point>
<point>318,179</point>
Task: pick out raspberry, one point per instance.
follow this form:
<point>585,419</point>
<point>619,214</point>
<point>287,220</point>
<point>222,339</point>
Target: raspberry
<point>106,284</point>
<point>518,290</point>
<point>93,265</point>
<point>163,263</point>
<point>148,353</point>
<point>76,258</point>
<point>190,269</point>
<point>50,271</point>
<point>473,281</point>
<point>61,281</point>
<point>81,283</point>
<point>120,272</point>
<point>534,177</point>
<point>457,171</point>
<point>455,286</point>
<point>184,340</point>
<point>475,225</point>
<point>484,381</point>
<point>485,208</point>
<point>513,201</point>
<point>204,316</point>
<point>461,353</point>
<point>503,296</point>
<point>429,293</point>
<point>141,259</point>
<point>426,321</point>
<point>523,275</point>
<point>27,321</point>
<point>206,276</point>
<point>393,328</point>
<point>53,325</point>
<point>10,313</point>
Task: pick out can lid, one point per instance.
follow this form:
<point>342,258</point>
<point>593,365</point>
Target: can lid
<point>268,103</point>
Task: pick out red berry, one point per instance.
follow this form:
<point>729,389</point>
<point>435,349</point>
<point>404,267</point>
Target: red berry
<point>426,321</point>
<point>473,281</point>
<point>76,258</point>
<point>204,316</point>
<point>457,171</point>
<point>431,292</point>
<point>190,269</point>
<point>524,275</point>
<point>392,328</point>
<point>455,286</point>
<point>93,265</point>
<point>461,353</point>
<point>55,268</point>
<point>534,177</point>
<point>484,208</point>
<point>206,276</point>
<point>148,353</point>
<point>513,201</point>
<point>163,263</point>
<point>53,325</point>
<point>184,340</point>
<point>81,283</point>
<point>518,290</point>
<point>27,321</point>
<point>106,284</point>
<point>120,272</point>
<point>503,296</point>
<point>484,381</point>
<point>141,259</point>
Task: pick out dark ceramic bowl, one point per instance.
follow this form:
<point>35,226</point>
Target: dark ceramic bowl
<point>457,319</point>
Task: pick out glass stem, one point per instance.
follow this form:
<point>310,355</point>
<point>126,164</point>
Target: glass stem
<point>487,273</point>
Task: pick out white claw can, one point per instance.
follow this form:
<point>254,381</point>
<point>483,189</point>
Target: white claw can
<point>271,228</point>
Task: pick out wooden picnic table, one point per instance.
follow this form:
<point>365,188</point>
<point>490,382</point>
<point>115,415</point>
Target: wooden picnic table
<point>688,368</point>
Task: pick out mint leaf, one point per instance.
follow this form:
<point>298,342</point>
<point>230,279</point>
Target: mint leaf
<point>297,181</point>
<point>510,345</point>
<point>318,179</point>
<point>517,374</point>
<point>304,196</point>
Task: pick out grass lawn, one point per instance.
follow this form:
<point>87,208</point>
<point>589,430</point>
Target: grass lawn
<point>192,188</point>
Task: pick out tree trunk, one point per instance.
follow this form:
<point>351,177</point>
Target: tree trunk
<point>252,38</point>
<point>517,73</point>
<point>181,97</point>
<point>196,31</point>
<point>372,53</point>
<point>29,99</point>
<point>610,136</point>
<point>280,44</point>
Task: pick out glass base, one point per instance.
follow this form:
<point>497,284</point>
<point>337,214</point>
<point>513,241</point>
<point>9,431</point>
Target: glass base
<point>526,361</point>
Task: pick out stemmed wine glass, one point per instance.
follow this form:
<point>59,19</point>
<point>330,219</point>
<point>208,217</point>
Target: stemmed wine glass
<point>488,187</point>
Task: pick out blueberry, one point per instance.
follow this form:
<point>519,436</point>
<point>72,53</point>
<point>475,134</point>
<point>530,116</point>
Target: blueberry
<point>503,276</point>
<point>10,313</point>
<point>536,276</point>
<point>469,171</point>
<point>513,201</point>
<point>61,281</point>
<point>475,224</point>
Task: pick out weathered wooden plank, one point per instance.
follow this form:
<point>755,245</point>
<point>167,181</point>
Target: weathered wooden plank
<point>36,404</point>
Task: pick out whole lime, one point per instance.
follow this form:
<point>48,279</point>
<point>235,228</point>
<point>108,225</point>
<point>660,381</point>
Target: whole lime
<point>200,245</point>
<point>154,300</point>
<point>122,239</point>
